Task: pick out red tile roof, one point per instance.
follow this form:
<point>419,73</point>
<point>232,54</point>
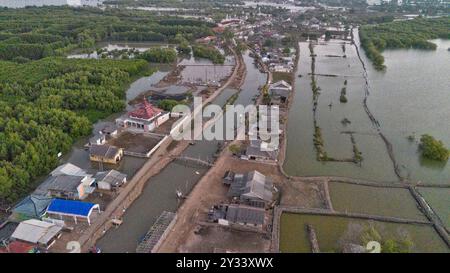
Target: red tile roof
<point>17,247</point>
<point>145,111</point>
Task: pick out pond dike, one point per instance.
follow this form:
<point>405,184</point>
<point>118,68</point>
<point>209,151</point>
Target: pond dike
<point>433,218</point>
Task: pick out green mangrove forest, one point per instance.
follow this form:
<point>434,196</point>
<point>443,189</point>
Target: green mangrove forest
<point>402,34</point>
<point>48,101</point>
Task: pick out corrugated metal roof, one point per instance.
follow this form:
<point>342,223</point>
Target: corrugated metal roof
<point>253,184</point>
<point>106,151</point>
<point>245,214</point>
<point>68,169</point>
<point>67,183</point>
<point>35,231</point>
<point>72,207</point>
<point>112,177</point>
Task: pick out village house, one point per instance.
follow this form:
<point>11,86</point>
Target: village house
<point>280,90</point>
<point>252,189</point>
<point>105,153</point>
<point>37,232</point>
<point>67,181</point>
<point>70,186</point>
<point>261,151</point>
<point>245,215</point>
<point>110,180</point>
<point>239,214</point>
<point>145,118</point>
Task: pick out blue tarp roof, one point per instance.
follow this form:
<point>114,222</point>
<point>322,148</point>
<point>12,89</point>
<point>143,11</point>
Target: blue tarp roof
<point>70,207</point>
<point>32,206</point>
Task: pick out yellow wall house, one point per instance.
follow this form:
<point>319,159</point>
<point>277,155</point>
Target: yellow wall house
<point>105,153</point>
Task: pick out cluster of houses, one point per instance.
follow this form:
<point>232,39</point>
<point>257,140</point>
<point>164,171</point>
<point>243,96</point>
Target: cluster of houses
<point>278,60</point>
<point>250,195</point>
<point>259,148</point>
<point>62,199</point>
<point>39,219</point>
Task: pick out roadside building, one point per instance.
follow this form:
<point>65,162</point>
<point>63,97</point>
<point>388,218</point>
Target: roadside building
<point>69,186</point>
<point>72,208</point>
<point>144,118</point>
<point>280,90</point>
<point>67,181</point>
<point>110,180</point>
<point>224,214</point>
<point>245,215</point>
<point>253,189</point>
<point>37,232</point>
<point>105,153</point>
<point>261,151</point>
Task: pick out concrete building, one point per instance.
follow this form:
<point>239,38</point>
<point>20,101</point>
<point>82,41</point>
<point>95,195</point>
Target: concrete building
<point>67,181</point>
<point>105,153</point>
<point>110,180</point>
<point>69,186</point>
<point>145,118</point>
<point>245,215</point>
<point>281,90</point>
<point>252,188</point>
<point>261,151</point>
<point>226,214</point>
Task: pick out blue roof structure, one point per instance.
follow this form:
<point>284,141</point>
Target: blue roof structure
<point>71,207</point>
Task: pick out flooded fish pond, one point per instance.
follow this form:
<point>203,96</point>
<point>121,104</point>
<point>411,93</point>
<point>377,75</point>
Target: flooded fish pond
<point>333,233</point>
<point>381,113</point>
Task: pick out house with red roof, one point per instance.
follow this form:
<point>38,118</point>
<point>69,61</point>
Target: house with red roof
<point>145,118</point>
<point>19,247</point>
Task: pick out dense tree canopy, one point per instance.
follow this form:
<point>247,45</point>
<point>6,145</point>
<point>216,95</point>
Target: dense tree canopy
<point>159,55</point>
<point>208,52</point>
<point>402,34</point>
<point>46,105</point>
<point>433,149</point>
<point>35,33</point>
<point>48,101</point>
